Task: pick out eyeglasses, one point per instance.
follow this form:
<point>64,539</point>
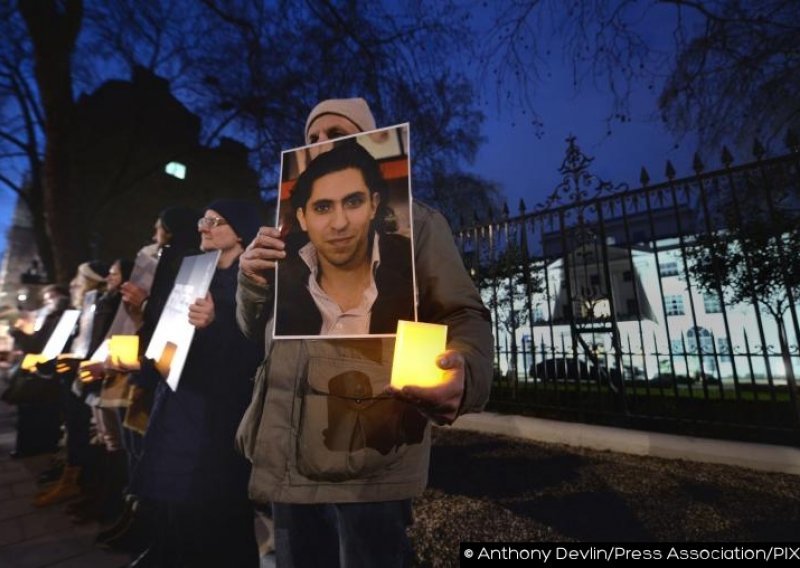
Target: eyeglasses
<point>210,222</point>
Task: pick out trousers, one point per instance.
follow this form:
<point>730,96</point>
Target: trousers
<point>348,535</point>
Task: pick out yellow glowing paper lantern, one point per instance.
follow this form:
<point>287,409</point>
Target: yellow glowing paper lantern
<point>30,360</point>
<point>415,351</point>
<point>124,349</point>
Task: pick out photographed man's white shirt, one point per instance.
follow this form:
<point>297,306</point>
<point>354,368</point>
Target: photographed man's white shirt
<point>335,321</point>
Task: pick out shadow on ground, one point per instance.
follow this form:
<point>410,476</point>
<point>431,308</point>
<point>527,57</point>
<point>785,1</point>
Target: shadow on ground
<point>493,488</point>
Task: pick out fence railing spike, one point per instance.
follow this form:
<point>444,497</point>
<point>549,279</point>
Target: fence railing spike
<point>670,171</point>
<point>644,177</point>
<point>697,164</point>
<point>727,157</point>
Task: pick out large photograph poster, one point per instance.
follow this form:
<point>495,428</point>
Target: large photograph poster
<point>345,211</point>
<point>173,334</point>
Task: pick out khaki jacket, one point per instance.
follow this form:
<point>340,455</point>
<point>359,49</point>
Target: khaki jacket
<point>316,430</point>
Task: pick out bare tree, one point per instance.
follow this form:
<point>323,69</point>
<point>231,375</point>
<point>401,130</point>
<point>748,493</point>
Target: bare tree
<point>725,69</point>
<point>53,28</point>
<point>252,69</point>
<point>21,125</point>
<point>751,258</point>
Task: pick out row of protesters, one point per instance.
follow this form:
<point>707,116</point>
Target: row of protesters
<point>349,503</point>
<point>185,467</point>
<point>355,508</point>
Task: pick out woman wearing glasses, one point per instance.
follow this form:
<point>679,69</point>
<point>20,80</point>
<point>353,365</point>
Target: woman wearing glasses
<point>189,469</point>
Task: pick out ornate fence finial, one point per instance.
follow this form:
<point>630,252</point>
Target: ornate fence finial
<point>577,184</point>
<point>670,171</point>
<point>644,177</point>
<point>727,158</point>
<point>521,206</point>
<point>505,211</point>
<point>697,164</point>
<point>758,149</point>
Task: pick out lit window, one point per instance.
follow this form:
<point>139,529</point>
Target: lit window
<point>674,305</point>
<point>669,268</point>
<point>712,304</point>
<point>176,169</point>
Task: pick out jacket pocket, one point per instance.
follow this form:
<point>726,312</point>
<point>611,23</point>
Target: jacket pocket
<point>247,431</point>
<point>348,429</point>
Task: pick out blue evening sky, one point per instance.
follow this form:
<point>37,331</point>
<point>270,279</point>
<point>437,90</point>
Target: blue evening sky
<point>526,166</point>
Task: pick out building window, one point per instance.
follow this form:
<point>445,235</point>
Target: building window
<point>627,276</point>
<point>712,304</point>
<point>699,340</point>
<point>176,169</point>
<point>669,268</point>
<point>594,280</point>
<point>632,306</point>
<point>676,346</point>
<point>674,305</point>
<point>722,346</point>
<point>538,314</point>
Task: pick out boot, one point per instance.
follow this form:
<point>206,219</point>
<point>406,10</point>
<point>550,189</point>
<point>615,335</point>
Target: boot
<point>121,524</point>
<point>66,488</point>
<point>52,473</point>
<point>106,502</point>
<point>134,533</point>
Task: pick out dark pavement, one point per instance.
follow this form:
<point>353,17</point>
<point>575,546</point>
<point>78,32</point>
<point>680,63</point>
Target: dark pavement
<point>484,487</point>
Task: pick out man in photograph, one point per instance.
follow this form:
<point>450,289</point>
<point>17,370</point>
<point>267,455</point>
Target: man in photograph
<point>351,276</point>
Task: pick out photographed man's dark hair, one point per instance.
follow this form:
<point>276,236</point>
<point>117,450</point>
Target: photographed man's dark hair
<point>344,155</point>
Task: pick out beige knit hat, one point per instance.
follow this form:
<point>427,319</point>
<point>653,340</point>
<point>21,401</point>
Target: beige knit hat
<point>356,110</point>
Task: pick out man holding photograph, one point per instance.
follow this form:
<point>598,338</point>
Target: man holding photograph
<point>335,449</point>
<point>351,276</point>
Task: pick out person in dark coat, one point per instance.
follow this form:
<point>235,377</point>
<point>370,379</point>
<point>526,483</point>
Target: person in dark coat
<point>38,424</point>
<point>175,235</point>
<point>189,469</point>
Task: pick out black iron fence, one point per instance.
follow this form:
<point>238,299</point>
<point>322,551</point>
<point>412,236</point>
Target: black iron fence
<point>669,306</point>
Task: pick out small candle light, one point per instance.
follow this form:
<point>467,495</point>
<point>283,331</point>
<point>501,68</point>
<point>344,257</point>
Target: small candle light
<point>415,351</point>
<point>124,349</point>
<point>30,360</point>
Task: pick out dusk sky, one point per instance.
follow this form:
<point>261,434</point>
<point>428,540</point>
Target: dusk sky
<point>526,166</point>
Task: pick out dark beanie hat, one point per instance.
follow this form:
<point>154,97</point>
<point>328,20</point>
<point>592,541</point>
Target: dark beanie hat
<point>179,220</point>
<point>241,215</point>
